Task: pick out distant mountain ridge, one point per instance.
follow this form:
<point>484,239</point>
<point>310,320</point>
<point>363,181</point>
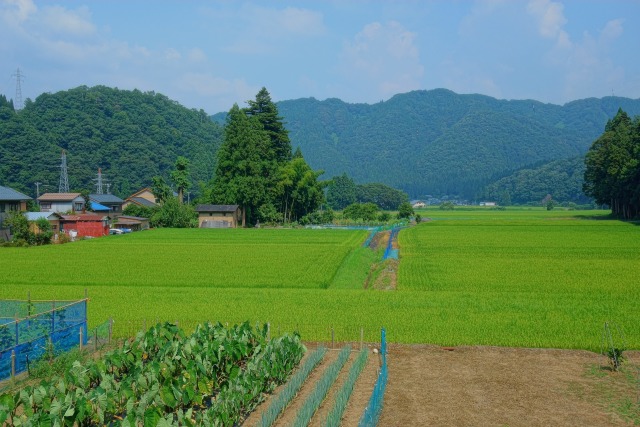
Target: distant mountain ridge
<point>440,142</point>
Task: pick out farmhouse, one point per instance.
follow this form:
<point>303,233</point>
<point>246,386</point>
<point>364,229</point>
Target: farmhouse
<point>61,202</point>
<point>10,200</point>
<point>110,201</point>
<point>86,225</point>
<point>143,198</point>
<point>419,205</point>
<point>218,216</point>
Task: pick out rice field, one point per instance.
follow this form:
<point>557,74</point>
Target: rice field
<point>507,278</point>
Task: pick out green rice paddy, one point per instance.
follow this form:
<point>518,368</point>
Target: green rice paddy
<point>527,278</point>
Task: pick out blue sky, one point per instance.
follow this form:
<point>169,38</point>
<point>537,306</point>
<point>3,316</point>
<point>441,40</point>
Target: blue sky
<point>211,54</point>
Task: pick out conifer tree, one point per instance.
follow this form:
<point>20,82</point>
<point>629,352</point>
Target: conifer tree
<point>245,172</point>
<point>267,113</point>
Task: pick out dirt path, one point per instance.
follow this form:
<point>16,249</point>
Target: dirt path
<point>492,386</point>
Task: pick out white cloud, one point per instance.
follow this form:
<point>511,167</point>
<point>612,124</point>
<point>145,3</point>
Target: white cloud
<point>172,54</point>
<point>207,84</point>
<point>17,10</point>
<point>285,22</point>
<point>59,20</point>
<point>550,19</point>
<point>385,57</point>
<point>612,30</point>
<point>267,30</point>
<point>197,55</point>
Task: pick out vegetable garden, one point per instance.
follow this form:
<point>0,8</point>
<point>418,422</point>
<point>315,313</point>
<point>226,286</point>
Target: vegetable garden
<point>214,377</point>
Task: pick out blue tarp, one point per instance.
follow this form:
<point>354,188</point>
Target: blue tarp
<point>97,207</point>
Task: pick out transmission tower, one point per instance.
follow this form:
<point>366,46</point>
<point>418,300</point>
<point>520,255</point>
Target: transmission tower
<point>63,187</point>
<point>17,104</point>
<point>100,181</point>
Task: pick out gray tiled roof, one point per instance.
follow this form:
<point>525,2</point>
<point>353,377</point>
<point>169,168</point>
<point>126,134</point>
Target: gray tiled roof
<point>105,198</point>
<point>216,208</point>
<point>7,193</point>
<point>142,202</point>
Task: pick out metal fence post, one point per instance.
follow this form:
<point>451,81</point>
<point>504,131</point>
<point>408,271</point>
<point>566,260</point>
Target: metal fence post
<point>80,337</point>
<point>268,331</point>
<point>13,365</point>
<point>110,329</point>
<point>17,329</point>
<point>361,337</point>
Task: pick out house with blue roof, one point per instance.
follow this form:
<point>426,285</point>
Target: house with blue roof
<point>111,202</point>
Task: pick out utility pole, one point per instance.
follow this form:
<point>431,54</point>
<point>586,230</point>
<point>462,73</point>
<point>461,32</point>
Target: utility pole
<point>38,184</point>
<point>17,103</point>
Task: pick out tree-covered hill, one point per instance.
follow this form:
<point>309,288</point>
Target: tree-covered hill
<point>439,142</point>
<point>131,135</point>
<point>561,179</point>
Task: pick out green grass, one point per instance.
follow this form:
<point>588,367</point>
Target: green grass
<point>519,278</point>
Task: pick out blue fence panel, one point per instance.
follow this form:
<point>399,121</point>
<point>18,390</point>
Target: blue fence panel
<point>28,338</point>
<point>373,410</point>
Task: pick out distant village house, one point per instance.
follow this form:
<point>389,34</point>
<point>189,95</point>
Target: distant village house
<point>218,216</point>
<point>10,200</point>
<point>144,198</point>
<point>61,202</point>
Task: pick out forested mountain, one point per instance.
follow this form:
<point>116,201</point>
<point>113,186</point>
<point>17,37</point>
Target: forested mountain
<point>131,135</point>
<point>439,142</point>
<point>561,179</point>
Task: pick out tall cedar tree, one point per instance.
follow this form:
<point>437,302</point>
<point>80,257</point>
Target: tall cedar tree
<point>246,167</point>
<point>180,176</point>
<point>612,174</point>
<point>267,113</point>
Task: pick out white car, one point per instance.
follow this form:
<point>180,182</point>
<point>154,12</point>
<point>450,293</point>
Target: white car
<point>116,231</point>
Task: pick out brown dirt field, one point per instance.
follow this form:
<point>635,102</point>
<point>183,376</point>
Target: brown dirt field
<point>493,386</point>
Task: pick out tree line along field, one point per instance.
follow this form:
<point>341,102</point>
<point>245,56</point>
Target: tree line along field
<point>528,278</point>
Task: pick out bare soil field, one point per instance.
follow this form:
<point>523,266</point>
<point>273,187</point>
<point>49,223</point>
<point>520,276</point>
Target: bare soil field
<point>493,386</point>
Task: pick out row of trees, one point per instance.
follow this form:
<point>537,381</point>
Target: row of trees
<point>342,191</point>
<point>612,175</point>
